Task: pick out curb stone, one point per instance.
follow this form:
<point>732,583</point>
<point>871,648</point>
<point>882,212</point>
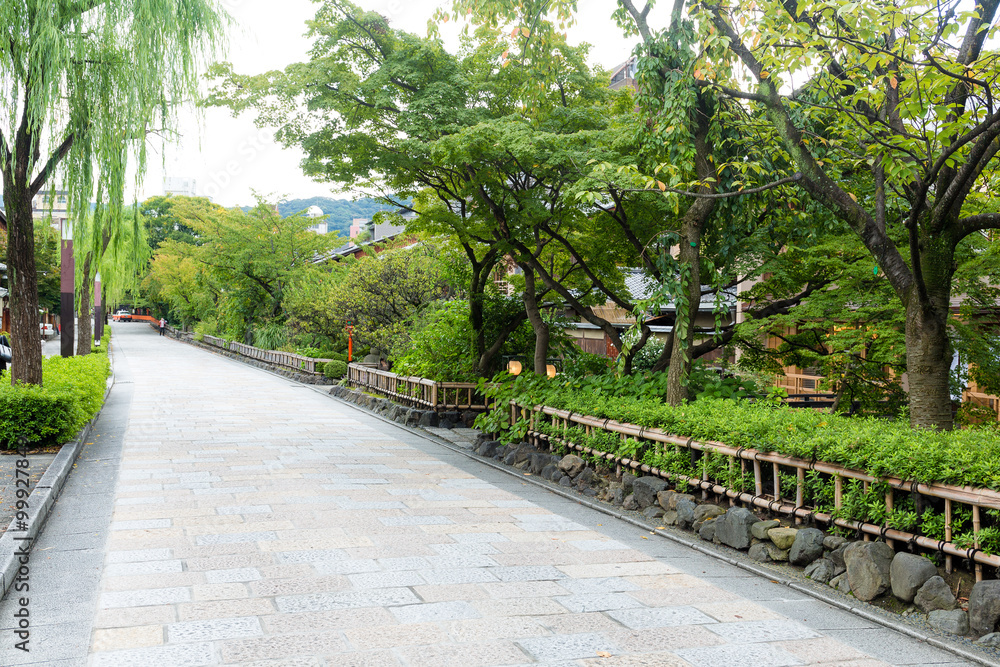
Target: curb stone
<point>700,548</point>
<point>43,496</point>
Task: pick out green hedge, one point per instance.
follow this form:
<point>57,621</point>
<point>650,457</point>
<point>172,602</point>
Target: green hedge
<point>877,446</point>
<point>71,395</point>
<point>335,369</point>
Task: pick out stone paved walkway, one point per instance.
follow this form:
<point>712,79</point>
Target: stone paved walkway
<point>259,522</point>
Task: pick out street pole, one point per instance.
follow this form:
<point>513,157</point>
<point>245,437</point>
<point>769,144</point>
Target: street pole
<point>98,311</point>
<point>67,278</point>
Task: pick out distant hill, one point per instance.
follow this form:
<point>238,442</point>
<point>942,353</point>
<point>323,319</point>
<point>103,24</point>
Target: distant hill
<point>340,211</point>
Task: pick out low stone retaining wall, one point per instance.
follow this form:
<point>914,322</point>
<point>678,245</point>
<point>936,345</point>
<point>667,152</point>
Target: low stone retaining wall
<point>404,414</point>
<point>870,571</point>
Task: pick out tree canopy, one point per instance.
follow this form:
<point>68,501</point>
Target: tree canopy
<point>85,83</point>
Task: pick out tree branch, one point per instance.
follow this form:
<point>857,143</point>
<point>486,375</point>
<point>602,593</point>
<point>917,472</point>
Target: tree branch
<point>794,178</point>
<point>50,166</point>
<point>976,223</point>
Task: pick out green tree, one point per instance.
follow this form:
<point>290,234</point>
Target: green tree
<point>85,81</point>
<point>166,216</point>
<point>252,258</point>
<point>383,293</point>
<point>902,94</point>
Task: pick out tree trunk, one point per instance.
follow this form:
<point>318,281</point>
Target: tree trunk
<point>83,331</point>
<point>689,256</point>
<point>928,365</point>
<point>538,324</point>
<point>26,342</point>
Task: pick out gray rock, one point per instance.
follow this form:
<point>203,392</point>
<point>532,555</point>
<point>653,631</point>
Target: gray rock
<point>590,491</point>
<point>707,511</point>
<point>429,418</point>
<point>758,552</point>
<point>557,476</point>
<point>538,463</point>
<point>629,503</point>
<point>510,457</point>
<point>452,416</point>
<point>868,568</point>
<point>832,542</point>
<point>984,606</point>
<point>807,547</point>
<point>759,529</point>
<point>645,489</point>
<point>469,418</point>
<point>585,477</point>
<point>776,554</point>
<point>669,518</point>
<point>571,464</point>
<point>954,622</point>
<point>908,573</point>
<point>628,479</point>
<point>992,639</point>
<point>548,470</point>
<point>841,583</point>
<point>617,494</point>
<point>523,465</point>
<point>685,512</point>
<point>488,448</point>
<point>566,481</point>
<point>783,537</point>
<point>677,497</point>
<point>707,530</point>
<point>821,570</point>
<point>413,416</point>
<point>733,527</point>
<point>837,555</point>
<point>663,498</point>
<point>935,594</point>
<point>524,453</point>
<point>653,512</point>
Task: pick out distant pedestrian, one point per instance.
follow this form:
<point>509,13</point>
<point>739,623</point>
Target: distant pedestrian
<point>163,325</point>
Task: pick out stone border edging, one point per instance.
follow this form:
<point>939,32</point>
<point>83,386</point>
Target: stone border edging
<point>696,545</point>
<point>44,495</point>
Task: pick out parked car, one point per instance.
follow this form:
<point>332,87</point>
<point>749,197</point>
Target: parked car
<point>122,316</point>
<point>47,331</point>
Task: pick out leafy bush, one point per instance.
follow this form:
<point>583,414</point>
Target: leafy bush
<point>271,336</point>
<point>438,347</point>
<point>583,364</point>
<point>72,394</point>
<point>879,447</point>
<point>320,366</point>
<point>335,369</point>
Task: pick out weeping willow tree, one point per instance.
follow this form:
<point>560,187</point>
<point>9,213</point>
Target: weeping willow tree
<point>85,82</point>
<point>119,252</point>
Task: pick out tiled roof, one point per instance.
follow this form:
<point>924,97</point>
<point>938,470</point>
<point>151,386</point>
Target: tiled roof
<point>640,286</point>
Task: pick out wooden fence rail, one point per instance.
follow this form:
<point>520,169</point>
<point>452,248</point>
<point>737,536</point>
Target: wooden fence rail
<point>781,496</point>
<point>290,360</point>
<point>416,391</point>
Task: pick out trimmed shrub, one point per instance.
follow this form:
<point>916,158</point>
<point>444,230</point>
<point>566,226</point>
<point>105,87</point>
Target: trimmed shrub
<point>72,393</point>
<point>877,446</point>
<point>335,369</point>
<point>320,366</point>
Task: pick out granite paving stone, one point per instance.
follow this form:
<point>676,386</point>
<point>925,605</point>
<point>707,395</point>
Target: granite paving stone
<point>245,519</point>
<point>568,647</point>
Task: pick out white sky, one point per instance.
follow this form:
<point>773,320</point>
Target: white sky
<point>231,158</point>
